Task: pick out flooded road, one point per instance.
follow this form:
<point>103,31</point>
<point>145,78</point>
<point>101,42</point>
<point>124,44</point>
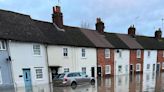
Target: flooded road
<point>150,82</point>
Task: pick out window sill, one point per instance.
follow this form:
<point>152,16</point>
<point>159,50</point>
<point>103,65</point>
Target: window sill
<point>83,57</point>
<point>107,73</point>
<point>40,79</point>
<point>37,55</point>
<point>107,57</point>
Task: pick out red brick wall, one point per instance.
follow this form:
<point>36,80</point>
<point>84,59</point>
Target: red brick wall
<point>102,61</point>
<point>134,60</point>
<point>160,58</point>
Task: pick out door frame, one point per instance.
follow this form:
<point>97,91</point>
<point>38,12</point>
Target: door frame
<point>131,71</point>
<point>1,76</point>
<point>30,76</point>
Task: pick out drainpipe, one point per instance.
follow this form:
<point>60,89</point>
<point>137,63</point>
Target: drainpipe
<point>47,63</point>
<point>11,65</point>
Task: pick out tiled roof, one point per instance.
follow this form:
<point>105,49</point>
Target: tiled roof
<point>97,38</point>
<point>115,41</point>
<point>15,26</point>
<point>129,41</point>
<point>68,36</point>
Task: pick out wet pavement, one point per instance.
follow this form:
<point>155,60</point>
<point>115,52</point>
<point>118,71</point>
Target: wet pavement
<point>150,82</point>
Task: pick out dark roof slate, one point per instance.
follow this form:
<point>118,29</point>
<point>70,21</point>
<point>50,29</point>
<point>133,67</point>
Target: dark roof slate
<point>97,38</point>
<point>130,41</point>
<point>19,27</point>
<point>69,36</point>
<point>115,41</point>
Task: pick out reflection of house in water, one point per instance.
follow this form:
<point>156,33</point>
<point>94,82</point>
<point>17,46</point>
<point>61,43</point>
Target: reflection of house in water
<point>121,83</point>
<point>149,80</point>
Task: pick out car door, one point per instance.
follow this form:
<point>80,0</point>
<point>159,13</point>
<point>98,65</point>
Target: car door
<point>78,78</point>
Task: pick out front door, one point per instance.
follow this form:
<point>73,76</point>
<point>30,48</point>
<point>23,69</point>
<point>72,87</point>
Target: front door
<point>153,67</point>
<point>158,67</point>
<point>92,71</point>
<point>99,71</point>
<point>0,76</point>
<point>27,78</point>
<point>131,69</point>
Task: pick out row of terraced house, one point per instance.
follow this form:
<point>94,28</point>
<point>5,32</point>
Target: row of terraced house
<point>32,52</point>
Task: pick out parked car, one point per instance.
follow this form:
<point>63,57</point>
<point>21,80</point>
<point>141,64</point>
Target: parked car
<point>72,79</point>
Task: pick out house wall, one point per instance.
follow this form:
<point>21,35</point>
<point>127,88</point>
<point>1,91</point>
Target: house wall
<point>23,58</point>
<point>102,61</point>
<point>5,69</point>
<point>152,59</point>
<point>160,59</point>
<point>122,61</point>
<point>134,60</point>
<point>73,61</point>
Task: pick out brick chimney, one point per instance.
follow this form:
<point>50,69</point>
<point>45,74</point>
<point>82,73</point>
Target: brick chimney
<point>100,25</point>
<point>158,34</point>
<point>57,16</point>
<point>132,31</point>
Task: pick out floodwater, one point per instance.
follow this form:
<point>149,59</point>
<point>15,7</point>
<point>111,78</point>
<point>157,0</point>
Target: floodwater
<point>150,82</point>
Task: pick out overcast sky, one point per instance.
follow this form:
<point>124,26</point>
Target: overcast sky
<point>117,15</point>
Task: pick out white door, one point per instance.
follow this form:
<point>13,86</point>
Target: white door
<point>0,77</point>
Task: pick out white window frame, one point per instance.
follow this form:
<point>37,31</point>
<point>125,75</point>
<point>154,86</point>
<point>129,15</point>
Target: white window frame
<point>83,53</point>
<point>107,53</point>
<point>138,66</point>
<point>138,53</point>
<point>126,68</point>
<point>36,49</point>
<point>1,76</point>
<point>107,69</point>
<point>40,73</point>
<point>66,70</point>
<point>163,65</point>
<point>84,70</point>
<point>65,52</point>
<point>2,45</point>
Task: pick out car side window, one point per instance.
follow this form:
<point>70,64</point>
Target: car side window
<point>70,75</point>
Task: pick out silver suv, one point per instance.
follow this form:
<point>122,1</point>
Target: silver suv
<point>72,79</point>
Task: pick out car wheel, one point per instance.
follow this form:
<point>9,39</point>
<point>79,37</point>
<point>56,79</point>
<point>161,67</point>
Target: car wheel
<point>92,82</point>
<point>73,85</point>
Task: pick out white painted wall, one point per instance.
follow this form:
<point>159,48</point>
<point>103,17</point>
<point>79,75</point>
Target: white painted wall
<point>121,61</point>
<point>74,61</point>
<point>22,57</point>
<point>152,59</point>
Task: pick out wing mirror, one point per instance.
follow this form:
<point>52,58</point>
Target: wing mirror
<point>86,75</point>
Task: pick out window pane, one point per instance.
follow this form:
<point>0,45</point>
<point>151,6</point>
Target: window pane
<point>83,52</point>
<point>65,51</point>
<point>107,53</point>
<point>39,74</point>
<point>36,49</point>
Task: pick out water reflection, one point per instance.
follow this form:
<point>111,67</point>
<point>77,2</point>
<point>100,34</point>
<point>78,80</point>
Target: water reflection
<point>149,82</point>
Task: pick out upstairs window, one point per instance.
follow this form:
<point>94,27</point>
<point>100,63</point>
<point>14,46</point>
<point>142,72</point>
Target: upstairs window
<point>65,52</point>
<point>2,45</point>
<point>83,53</point>
<point>120,53</point>
<point>149,53</point>
<point>138,53</point>
<point>107,53</point>
<point>36,49</point>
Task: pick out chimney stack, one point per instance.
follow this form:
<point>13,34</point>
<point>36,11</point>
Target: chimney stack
<point>100,25</point>
<point>132,31</point>
<point>158,34</point>
<point>57,16</point>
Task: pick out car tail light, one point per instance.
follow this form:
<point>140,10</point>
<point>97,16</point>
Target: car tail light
<point>65,79</point>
